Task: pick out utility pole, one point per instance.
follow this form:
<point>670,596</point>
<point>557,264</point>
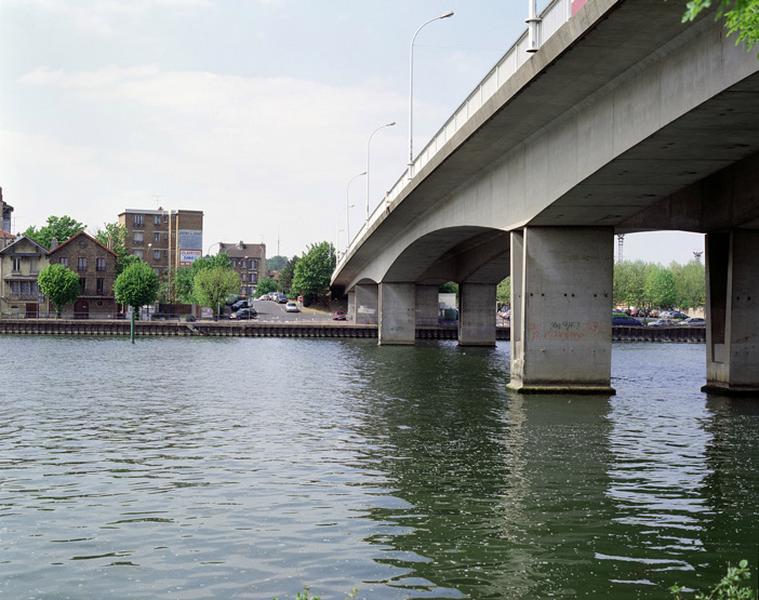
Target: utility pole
<point>620,247</point>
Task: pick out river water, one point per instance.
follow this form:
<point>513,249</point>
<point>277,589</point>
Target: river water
<point>248,468</point>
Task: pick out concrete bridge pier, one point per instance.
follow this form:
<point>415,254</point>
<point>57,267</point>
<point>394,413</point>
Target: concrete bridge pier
<point>732,312</point>
<point>477,314</point>
<point>351,314</point>
<point>427,305</point>
<point>561,299</point>
<point>397,314</point>
<point>366,303</point>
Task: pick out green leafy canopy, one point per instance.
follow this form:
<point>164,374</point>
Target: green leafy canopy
<point>741,17</point>
<point>60,284</point>
<point>137,285</point>
<point>212,286</point>
<point>58,228</point>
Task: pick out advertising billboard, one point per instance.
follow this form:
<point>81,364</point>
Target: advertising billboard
<point>190,239</point>
<point>187,257</point>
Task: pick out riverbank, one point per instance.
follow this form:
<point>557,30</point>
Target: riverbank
<point>302,329</point>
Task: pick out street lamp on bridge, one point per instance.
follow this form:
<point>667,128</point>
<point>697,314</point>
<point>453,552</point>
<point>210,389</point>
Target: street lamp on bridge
<point>411,91</point>
<point>368,156</point>
<point>348,207</point>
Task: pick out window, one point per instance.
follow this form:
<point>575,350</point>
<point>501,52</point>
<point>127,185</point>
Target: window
<point>156,255</point>
<point>138,237</point>
<point>139,253</point>
<point>99,283</point>
<point>64,260</point>
<point>100,264</point>
<point>16,264</point>
<point>165,218</point>
<point>139,220</point>
<point>253,277</point>
<point>82,285</point>
<point>157,236</point>
<point>156,219</point>
<point>254,264</point>
<point>32,265</point>
<point>81,263</point>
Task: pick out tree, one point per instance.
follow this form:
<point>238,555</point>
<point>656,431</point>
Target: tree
<point>184,279</point>
<point>449,287</point>
<point>265,286</point>
<point>690,284</point>
<point>287,273</point>
<point>113,236</point>
<point>741,17</point>
<point>313,272</point>
<point>136,286</point>
<point>212,286</point>
<point>60,284</point>
<point>58,228</point>
<point>629,283</point>
<point>276,263</point>
<point>503,291</point>
<point>660,287</point>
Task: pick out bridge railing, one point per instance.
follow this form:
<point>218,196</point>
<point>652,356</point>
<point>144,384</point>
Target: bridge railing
<point>553,16</point>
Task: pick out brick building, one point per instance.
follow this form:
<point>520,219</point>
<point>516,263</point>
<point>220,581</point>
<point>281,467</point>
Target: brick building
<point>96,267</point>
<point>249,260</point>
<point>165,239</point>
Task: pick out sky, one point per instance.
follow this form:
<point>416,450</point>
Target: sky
<point>257,112</point>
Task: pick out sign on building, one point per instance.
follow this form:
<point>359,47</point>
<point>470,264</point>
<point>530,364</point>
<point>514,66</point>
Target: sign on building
<point>187,257</point>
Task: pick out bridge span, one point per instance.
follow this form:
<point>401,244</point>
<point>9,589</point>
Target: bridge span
<point>624,120</point>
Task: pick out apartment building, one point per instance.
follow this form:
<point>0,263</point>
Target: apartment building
<point>20,263</point>
<point>164,238</point>
<point>96,267</point>
<point>249,260</point>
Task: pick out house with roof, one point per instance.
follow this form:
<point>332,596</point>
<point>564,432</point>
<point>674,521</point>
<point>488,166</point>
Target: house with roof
<point>20,263</point>
<point>95,264</point>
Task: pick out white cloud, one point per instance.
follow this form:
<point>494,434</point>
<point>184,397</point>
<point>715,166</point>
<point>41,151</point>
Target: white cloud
<point>274,152</point>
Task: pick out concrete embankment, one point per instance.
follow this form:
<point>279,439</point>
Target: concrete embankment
<point>296,329</point>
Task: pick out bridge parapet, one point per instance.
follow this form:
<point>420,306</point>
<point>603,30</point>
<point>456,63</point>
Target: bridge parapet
<point>553,16</point>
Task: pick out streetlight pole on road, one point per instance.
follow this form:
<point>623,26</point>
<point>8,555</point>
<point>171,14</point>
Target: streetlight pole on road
<point>411,91</point>
<point>348,207</point>
<point>368,157</point>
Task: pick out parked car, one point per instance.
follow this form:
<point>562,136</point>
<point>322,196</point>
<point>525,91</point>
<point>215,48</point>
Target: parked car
<point>663,323</point>
<point>625,321</point>
<point>291,307</point>
<point>244,313</point>
<point>672,314</point>
<point>281,298</point>
<point>693,322</point>
<point>273,296</point>
<point>339,315</point>
<point>263,297</point>
<point>239,304</point>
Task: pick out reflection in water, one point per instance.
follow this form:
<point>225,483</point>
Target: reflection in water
<point>247,468</point>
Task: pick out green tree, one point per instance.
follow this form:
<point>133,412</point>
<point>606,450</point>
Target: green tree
<point>212,286</point>
<point>265,286</point>
<point>276,263</point>
<point>113,236</point>
<point>741,17</point>
<point>313,272</point>
<point>58,228</point>
<point>449,287</point>
<point>629,283</point>
<point>690,284</point>
<point>660,287</point>
<point>60,284</point>
<point>136,286</point>
<point>184,278</point>
<point>287,273</point>
<point>503,291</point>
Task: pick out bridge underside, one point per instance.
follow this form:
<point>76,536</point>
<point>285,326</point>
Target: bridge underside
<point>589,138</point>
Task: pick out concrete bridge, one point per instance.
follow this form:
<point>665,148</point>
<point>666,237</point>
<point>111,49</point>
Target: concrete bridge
<point>624,120</point>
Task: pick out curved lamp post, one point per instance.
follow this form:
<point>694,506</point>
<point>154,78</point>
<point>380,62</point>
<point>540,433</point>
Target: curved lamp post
<point>368,156</point>
<point>348,207</point>
<point>411,91</point>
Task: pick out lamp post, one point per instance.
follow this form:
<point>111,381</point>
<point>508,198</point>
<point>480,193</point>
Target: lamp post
<point>348,207</point>
<point>411,91</point>
<point>368,157</point>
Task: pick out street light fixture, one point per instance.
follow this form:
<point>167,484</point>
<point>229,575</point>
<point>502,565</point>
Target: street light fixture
<point>411,91</point>
<point>348,207</point>
<point>368,156</point>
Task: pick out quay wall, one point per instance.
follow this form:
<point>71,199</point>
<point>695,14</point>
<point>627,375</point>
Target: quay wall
<point>296,329</point>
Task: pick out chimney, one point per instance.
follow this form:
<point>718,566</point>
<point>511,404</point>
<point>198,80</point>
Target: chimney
<point>53,244</point>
